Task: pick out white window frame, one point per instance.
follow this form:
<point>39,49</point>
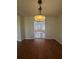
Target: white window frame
<point>39,31</point>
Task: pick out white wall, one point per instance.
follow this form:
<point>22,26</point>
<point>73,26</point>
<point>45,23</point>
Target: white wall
<point>59,29</point>
<point>29,28</point>
<point>20,28</point>
<point>52,28</point>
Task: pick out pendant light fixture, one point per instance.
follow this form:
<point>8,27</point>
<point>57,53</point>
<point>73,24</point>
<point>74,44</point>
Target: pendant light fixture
<point>39,17</point>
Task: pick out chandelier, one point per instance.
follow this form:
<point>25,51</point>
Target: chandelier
<point>39,17</point>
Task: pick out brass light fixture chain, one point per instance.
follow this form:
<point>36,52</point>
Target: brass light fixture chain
<point>40,8</point>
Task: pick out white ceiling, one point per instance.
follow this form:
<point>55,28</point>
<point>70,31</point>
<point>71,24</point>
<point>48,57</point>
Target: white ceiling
<point>30,7</point>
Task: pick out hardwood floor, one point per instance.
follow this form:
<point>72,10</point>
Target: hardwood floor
<point>39,49</point>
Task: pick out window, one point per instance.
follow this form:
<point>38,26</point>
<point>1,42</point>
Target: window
<point>39,29</point>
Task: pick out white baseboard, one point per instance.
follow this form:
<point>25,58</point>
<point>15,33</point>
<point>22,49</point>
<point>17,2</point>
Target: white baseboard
<point>19,40</point>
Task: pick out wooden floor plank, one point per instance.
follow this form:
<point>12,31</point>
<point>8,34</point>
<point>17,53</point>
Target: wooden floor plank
<point>39,49</point>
